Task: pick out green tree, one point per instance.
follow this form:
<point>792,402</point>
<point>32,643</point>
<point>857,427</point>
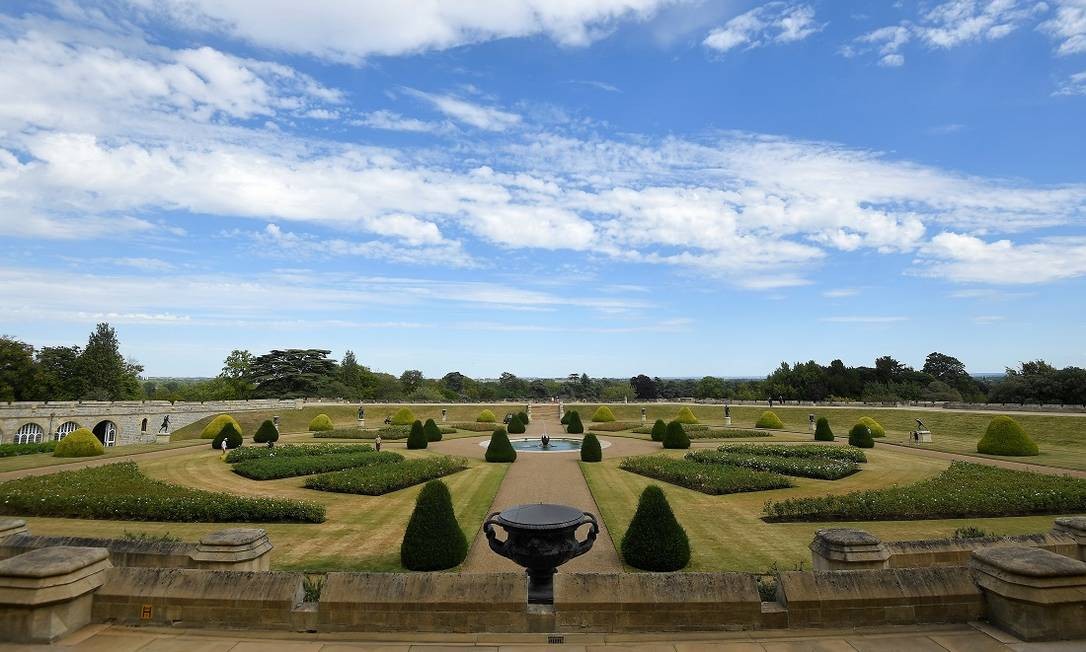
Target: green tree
<point>105,372</point>
<point>411,380</point>
<point>58,369</point>
<point>416,439</point>
<point>16,370</point>
<point>287,373</point>
<point>659,429</point>
<point>710,387</point>
<point>433,433</point>
<point>236,374</point>
<point>644,387</point>
<point>676,436</point>
<point>433,539</point>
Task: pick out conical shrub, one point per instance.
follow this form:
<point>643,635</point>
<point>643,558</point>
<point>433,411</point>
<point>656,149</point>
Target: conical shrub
<point>676,436</point>
<point>321,423</point>
<point>232,436</point>
<point>403,417</point>
<point>860,436</point>
<point>212,429</point>
<point>769,421</point>
<point>524,417</point>
<point>433,539</point>
<point>266,433</point>
<point>659,429</point>
<point>591,451</point>
<point>1003,437</point>
<point>81,442</point>
<point>876,429</point>
<point>433,433</point>
<point>416,439</point>
<point>603,414</point>
<point>655,541</point>
<point>574,426</point>
<point>516,426</point>
<point>486,416</point>
<point>565,418</point>
<point>500,449</point>
<point>822,430</point>
<point>685,416</point>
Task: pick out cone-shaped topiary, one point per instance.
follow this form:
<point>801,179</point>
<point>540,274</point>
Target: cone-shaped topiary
<point>769,421</point>
<point>213,429</point>
<point>433,433</point>
<point>403,417</point>
<point>591,451</point>
<point>822,430</point>
<point>524,417</point>
<point>81,442</point>
<point>872,425</point>
<point>416,439</point>
<point>574,426</point>
<point>232,436</point>
<point>685,416</point>
<point>516,426</point>
<point>565,418</point>
<point>603,414</point>
<point>321,423</point>
<point>659,429</point>
<point>266,433</point>
<point>500,450</point>
<point>486,416</point>
<point>655,541</point>
<point>433,539</point>
<point>860,436</point>
<point>676,436</point>
<point>1003,437</point>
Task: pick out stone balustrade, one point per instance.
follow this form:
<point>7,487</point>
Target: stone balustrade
<point>847,549</point>
<point>48,593</point>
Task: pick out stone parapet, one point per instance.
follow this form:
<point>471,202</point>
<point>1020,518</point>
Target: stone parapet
<point>424,602</point>
<point>201,598</point>
<point>631,602</point>
<point>10,527</point>
<point>957,552</point>
<point>234,549</point>
<point>1035,594</point>
<point>904,596</point>
<point>46,594</point>
<point>847,549</point>
<point>122,552</point>
<point>1074,527</point>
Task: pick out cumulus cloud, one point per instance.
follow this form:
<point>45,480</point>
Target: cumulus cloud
<point>772,23</point>
<point>1068,27</point>
<point>1073,85</point>
<point>969,259</point>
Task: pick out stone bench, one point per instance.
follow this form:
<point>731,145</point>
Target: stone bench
<point>47,593</point>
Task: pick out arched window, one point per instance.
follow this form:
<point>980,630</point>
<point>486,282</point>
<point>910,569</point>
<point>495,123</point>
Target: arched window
<point>29,433</point>
<point>106,432</point>
<point>65,429</point>
<point>143,425</point>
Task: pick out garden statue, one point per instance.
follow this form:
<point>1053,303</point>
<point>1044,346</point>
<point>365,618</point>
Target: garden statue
<point>642,416</point>
<point>275,422</point>
<point>165,427</point>
<point>727,414</point>
<point>444,414</point>
<point>811,422</point>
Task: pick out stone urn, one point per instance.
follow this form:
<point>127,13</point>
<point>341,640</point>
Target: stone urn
<point>540,538</point>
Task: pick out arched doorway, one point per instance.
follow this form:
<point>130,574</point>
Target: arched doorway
<point>143,425</point>
<point>29,433</point>
<point>65,429</point>
<point>106,432</point>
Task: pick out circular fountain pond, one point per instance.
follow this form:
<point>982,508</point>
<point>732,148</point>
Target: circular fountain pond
<point>556,445</point>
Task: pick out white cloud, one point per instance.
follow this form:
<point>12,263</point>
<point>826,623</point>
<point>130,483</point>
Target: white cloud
<point>772,23</point>
<point>1073,85</point>
<point>603,86</point>
<point>476,115</point>
<point>145,264</point>
<point>392,121</point>
<point>969,259</point>
<point>351,31</point>
<point>840,293</point>
<point>1068,26</point>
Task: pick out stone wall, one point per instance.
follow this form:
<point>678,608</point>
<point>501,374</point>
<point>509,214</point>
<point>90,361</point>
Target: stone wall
<point>146,554</point>
<point>956,552</point>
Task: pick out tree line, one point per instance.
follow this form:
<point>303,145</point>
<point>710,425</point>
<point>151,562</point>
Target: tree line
<point>98,371</point>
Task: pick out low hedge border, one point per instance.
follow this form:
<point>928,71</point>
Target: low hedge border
<point>476,426</point>
<point>709,479</point>
<point>727,433</point>
<point>803,450</point>
<point>275,468</point>
<point>14,450</point>
<point>385,478</point>
<point>246,453</point>
<point>611,426</point>
<point>802,467</point>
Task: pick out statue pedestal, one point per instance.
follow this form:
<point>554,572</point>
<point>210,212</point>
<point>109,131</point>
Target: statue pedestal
<point>922,436</point>
<point>727,421</point>
<point>362,423</point>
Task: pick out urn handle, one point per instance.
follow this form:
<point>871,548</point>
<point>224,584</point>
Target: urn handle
<point>492,535</point>
<point>586,545</point>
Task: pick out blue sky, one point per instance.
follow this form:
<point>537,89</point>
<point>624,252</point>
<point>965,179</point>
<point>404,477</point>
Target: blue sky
<point>609,186</point>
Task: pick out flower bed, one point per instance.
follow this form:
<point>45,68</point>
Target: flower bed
<point>274,468</point>
<point>14,450</point>
<point>611,426</point>
<point>803,467</point>
<point>710,479</point>
<point>384,478</point>
<point>246,453</point>
<point>815,451</point>
<point>727,433</point>
<point>690,428</point>
<point>964,490</point>
<point>346,433</point>
<point>122,492</point>
<point>476,426</point>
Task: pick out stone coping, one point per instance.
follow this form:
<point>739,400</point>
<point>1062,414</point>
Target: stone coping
<point>29,541</point>
<point>426,591</point>
<point>234,537</point>
<point>1030,562</point>
<point>846,536</point>
<point>635,590</point>
<point>51,562</point>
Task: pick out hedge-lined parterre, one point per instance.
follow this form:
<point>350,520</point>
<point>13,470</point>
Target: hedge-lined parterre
<point>274,468</point>
<point>802,467</point>
<point>246,453</point>
<point>384,478</point>
<point>802,450</point>
<point>710,479</point>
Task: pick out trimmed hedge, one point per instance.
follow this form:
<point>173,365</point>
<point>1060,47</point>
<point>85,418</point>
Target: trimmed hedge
<point>524,417</point>
<point>876,429</point>
<point>769,421</point>
<point>403,417</point>
<point>516,426</point>
<point>676,436</point>
<point>433,539</point>
<point>603,414</point>
<point>614,426</point>
<point>591,451</point>
<point>416,439</point>
<point>432,430</point>
<point>659,429</point>
<point>655,541</point>
<point>565,418</point>
<point>725,433</point>
<point>381,479</point>
<point>823,432</point>
<point>246,453</point>
<point>15,450</point>
<point>802,467</point>
<point>500,449</point>
<point>267,432</point>
<point>231,434</point>
<point>965,490</point>
<point>321,423</point>
<point>474,426</point>
<point>486,416</point>
<point>274,468</point>
<point>860,436</point>
<point>1005,437</point>
<point>122,492</point>
<point>574,426</point>
<point>709,479</point>
<point>212,429</point>
<point>810,451</point>
<point>685,416</point>
<point>81,442</point>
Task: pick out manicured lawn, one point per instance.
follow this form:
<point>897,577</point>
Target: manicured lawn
<point>361,532</point>
<point>46,459</point>
<point>727,533</point>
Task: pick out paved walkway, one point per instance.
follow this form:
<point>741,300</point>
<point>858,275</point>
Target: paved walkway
<point>950,638</point>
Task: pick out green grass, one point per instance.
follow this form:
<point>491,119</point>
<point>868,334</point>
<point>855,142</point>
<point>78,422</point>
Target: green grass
<point>728,533</point>
<point>380,479</point>
<point>40,460</point>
